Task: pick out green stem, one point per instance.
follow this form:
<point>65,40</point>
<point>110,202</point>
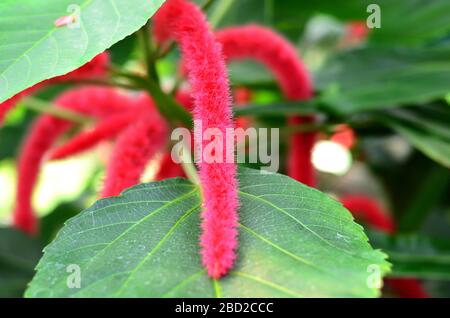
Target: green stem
<point>149,54</point>
<point>188,165</point>
<point>100,82</point>
<point>59,112</point>
<point>207,4</point>
<point>311,127</point>
<point>219,12</point>
<point>167,106</point>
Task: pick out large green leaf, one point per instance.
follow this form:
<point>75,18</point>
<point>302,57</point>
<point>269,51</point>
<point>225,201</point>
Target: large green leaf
<point>294,242</point>
<point>33,49</point>
<point>414,255</point>
<point>375,78</point>
<point>19,255</point>
<point>421,20</point>
<point>425,127</point>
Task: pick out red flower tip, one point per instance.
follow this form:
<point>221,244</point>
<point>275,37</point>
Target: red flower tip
<point>25,220</point>
<point>206,69</point>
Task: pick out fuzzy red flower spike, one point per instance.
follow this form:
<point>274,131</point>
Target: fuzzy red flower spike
<point>205,65</point>
<point>278,55</point>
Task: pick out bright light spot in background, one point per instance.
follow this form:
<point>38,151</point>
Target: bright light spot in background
<point>59,181</point>
<point>152,168</point>
<point>398,148</point>
<point>331,157</point>
<point>64,180</point>
<point>447,98</point>
<point>7,188</point>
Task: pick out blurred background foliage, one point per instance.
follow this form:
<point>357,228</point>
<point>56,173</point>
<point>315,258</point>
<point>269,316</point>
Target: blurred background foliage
<point>391,87</point>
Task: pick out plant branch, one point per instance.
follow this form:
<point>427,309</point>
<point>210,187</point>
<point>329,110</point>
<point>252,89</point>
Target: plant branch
<point>188,165</point>
<point>149,54</point>
<point>312,127</point>
<point>100,82</point>
<point>55,111</point>
<point>167,106</point>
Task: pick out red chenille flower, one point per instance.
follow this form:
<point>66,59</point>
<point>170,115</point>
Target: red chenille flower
<point>206,69</point>
<point>278,55</point>
<point>135,146</point>
<point>97,102</point>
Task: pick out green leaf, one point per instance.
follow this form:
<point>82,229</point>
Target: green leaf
<point>51,223</point>
<point>421,21</point>
<point>415,255</point>
<point>33,49</point>
<point>425,127</point>
<point>379,78</point>
<point>294,242</point>
<point>432,189</point>
<point>19,255</point>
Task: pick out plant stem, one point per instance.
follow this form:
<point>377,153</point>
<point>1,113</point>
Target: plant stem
<point>207,4</point>
<point>167,106</point>
<point>188,165</point>
<point>311,127</point>
<point>100,82</point>
<point>55,111</point>
<point>148,50</point>
<point>220,11</point>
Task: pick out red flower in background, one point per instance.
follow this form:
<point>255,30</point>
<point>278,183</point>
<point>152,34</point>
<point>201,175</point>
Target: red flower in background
<point>369,210</point>
<point>99,103</point>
